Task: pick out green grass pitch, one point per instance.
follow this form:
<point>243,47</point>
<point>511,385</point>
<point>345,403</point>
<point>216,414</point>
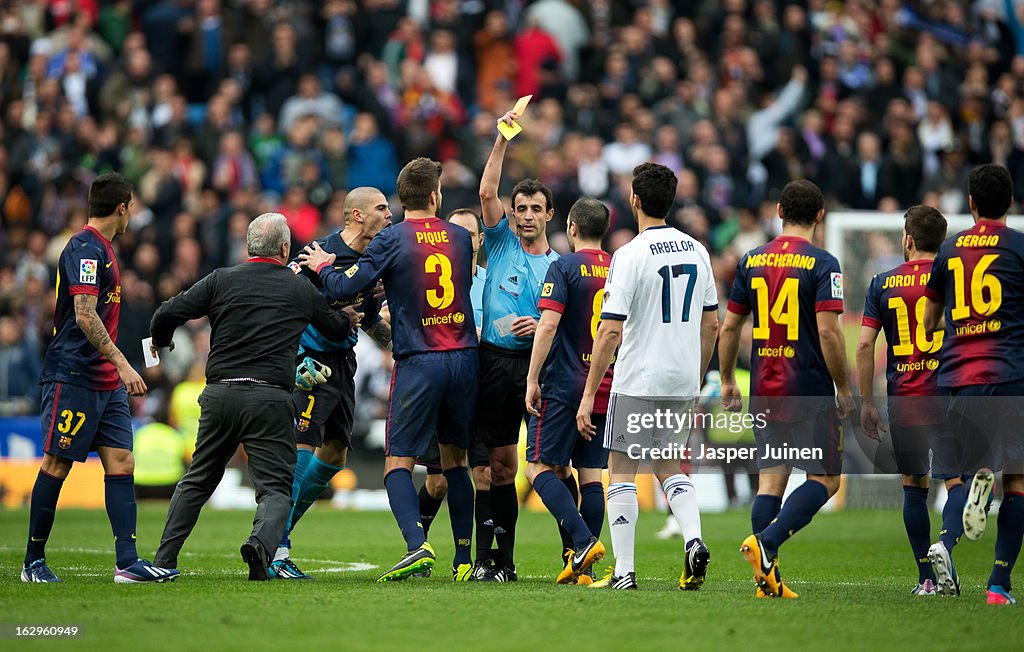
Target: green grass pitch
<point>852,569</point>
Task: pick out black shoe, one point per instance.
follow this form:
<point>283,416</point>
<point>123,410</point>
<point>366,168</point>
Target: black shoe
<point>695,566</point>
<point>483,571</point>
<point>254,555</point>
<point>505,573</point>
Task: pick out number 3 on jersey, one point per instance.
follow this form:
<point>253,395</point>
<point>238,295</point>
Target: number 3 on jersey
<point>441,297</point>
<point>785,312</point>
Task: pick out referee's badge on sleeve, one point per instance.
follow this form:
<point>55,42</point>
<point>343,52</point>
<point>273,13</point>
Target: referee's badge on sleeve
<point>837,285</point>
<point>87,272</point>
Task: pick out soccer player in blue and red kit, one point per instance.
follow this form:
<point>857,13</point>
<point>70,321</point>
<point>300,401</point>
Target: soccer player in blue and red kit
<point>426,265</point>
<point>570,304</point>
<point>795,292</point>
<point>86,382</point>
<point>977,284</point>
<point>895,304</point>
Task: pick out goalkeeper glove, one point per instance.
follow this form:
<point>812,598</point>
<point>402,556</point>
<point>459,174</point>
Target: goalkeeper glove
<point>310,373</point>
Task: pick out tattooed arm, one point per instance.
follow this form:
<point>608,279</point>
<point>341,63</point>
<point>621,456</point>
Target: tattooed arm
<point>381,334</point>
<point>92,326</point>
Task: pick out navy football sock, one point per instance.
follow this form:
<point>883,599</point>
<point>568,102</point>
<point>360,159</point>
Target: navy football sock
<point>592,506</point>
<point>405,506</point>
<point>302,458</point>
<point>919,527</point>
<point>429,506</point>
<point>1008,538</point>
<point>45,493</point>
<point>763,511</point>
<point>559,502</point>
<point>121,510</point>
<point>316,478</point>
<point>574,492</point>
<point>460,511</point>
<point>953,517</point>
<point>505,513</point>
<point>484,525</point>
<point>797,512</point>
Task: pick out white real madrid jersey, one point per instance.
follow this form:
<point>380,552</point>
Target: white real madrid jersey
<point>659,285</point>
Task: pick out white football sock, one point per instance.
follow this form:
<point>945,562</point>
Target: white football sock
<point>622,514</point>
<point>282,553</point>
<point>682,500</point>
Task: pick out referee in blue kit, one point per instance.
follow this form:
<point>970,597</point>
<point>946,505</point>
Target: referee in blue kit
<point>518,257</point>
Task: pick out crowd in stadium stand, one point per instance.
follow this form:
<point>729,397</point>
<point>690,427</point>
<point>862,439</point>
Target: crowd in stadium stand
<point>219,110</point>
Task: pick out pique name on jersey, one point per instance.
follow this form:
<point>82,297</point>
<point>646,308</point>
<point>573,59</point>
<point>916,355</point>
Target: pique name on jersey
<point>431,237</point>
<point>671,247</point>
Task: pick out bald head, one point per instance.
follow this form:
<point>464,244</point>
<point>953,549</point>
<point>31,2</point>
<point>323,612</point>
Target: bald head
<point>362,198</point>
<point>269,236</point>
<point>366,212</point>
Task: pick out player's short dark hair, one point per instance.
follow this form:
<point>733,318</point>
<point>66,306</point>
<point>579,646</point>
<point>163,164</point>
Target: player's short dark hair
<point>800,201</point>
<point>926,226</point>
<point>531,187</point>
<point>655,185</point>
<point>416,181</point>
<point>991,188</point>
<point>591,218</point>
<point>466,211</point>
<point>108,191</point>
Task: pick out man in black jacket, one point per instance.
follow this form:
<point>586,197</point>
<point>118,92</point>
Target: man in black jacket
<point>257,312</point>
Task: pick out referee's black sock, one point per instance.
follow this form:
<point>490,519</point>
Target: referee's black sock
<point>484,525</point>
<point>574,491</point>
<point>505,509</point>
<point>429,507</point>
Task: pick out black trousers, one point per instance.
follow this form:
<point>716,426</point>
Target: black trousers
<point>261,419</point>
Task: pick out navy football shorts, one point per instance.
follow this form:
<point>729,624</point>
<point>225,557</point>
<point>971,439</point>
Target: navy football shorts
<point>819,433</point>
<point>77,420</point>
<point>552,438</point>
<point>432,392</point>
<point>986,424</point>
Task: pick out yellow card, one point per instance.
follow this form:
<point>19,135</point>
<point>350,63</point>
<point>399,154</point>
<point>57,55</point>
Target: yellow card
<point>521,105</point>
<point>509,132</point>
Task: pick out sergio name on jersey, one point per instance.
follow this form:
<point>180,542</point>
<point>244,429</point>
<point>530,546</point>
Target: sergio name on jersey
<point>785,283</point>
<point>574,287</point>
<point>979,274</point>
<point>87,266</point>
<point>660,283</point>
<point>426,264</point>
